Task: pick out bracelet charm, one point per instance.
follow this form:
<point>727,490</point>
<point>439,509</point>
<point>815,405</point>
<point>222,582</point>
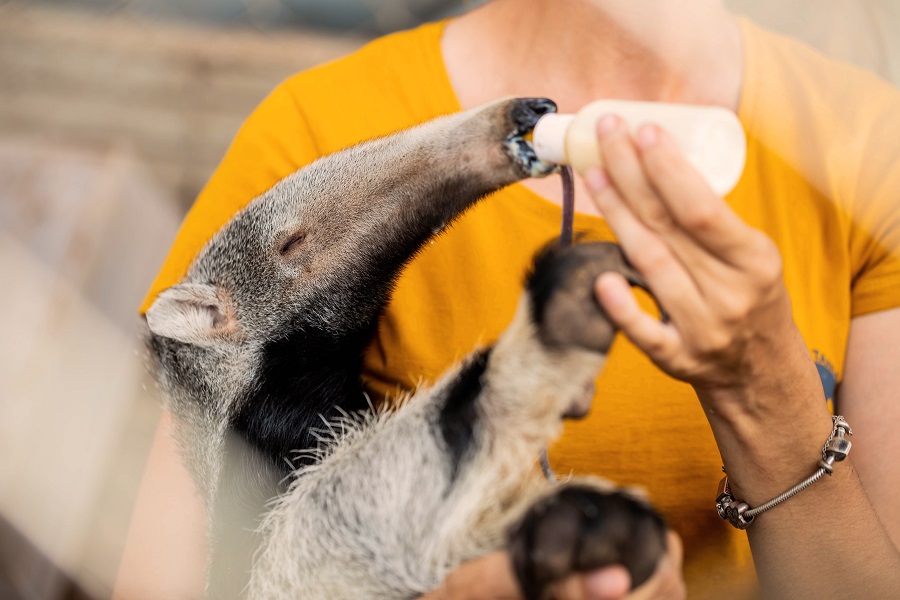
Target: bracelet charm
<point>740,515</point>
<point>729,509</point>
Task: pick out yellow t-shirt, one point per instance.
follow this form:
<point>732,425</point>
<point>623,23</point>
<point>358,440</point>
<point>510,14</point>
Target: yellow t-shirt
<point>820,180</point>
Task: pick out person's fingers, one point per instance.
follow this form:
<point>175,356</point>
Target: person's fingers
<point>608,583</point>
<point>688,198</point>
<point>660,341</point>
<point>623,165</point>
<point>664,273</point>
<point>667,582</point>
<point>614,583</point>
<point>487,578</point>
<point>611,583</point>
<point>675,549</point>
<point>570,588</point>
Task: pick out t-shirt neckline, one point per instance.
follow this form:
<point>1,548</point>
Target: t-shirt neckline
<point>446,102</point>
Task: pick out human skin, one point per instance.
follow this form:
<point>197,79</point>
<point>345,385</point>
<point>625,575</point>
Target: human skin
<point>840,536</point>
<point>491,577</point>
<point>731,333</point>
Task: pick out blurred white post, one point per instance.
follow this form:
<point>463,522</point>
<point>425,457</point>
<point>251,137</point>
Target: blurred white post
<point>81,234</point>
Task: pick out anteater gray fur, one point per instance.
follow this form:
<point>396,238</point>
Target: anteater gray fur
<point>259,346</point>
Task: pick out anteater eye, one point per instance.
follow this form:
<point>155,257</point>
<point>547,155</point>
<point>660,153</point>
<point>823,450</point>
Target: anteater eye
<point>293,243</point>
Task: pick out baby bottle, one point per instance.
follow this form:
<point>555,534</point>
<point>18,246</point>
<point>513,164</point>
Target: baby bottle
<point>710,137</point>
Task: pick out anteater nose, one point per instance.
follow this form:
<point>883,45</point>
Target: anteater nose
<point>527,111</point>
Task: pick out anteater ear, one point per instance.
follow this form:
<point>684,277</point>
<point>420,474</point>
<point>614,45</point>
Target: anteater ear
<point>190,312</point>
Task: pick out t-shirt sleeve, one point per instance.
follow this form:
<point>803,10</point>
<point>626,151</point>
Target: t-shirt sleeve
<point>273,142</point>
<point>875,211</point>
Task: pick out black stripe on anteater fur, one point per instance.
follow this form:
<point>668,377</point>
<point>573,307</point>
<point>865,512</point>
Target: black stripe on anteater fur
<point>459,411</point>
<point>306,375</point>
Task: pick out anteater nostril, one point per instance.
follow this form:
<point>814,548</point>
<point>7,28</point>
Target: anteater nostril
<point>542,106</point>
<point>527,111</point>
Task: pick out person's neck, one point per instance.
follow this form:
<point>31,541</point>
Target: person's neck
<point>575,51</point>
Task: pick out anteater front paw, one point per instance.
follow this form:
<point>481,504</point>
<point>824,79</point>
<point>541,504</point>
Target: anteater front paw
<point>563,302</point>
<point>580,528</point>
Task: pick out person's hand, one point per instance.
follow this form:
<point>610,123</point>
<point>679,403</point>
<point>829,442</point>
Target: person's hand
<point>730,331</point>
<point>491,578</point>
<point>719,280</point>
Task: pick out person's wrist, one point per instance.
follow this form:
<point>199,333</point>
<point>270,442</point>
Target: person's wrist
<point>769,434</point>
<point>768,464</point>
<point>741,515</point>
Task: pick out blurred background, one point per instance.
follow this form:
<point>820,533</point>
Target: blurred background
<point>112,115</point>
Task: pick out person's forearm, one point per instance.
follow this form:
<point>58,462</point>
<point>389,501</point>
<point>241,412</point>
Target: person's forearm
<point>825,542</point>
<point>731,334</point>
<point>829,544</point>
<point>165,550</point>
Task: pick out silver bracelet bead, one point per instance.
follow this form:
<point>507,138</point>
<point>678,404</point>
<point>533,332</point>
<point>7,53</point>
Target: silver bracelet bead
<point>740,515</point>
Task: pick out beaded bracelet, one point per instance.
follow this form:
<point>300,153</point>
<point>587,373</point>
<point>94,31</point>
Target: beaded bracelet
<point>739,513</point>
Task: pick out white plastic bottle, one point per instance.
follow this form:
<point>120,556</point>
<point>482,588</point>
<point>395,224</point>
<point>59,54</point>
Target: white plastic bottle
<point>711,137</point>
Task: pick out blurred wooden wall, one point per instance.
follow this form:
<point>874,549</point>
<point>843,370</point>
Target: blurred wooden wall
<point>176,93</point>
<point>109,126</point>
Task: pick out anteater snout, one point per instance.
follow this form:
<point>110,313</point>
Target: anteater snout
<point>523,114</point>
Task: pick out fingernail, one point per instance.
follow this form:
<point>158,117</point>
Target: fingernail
<point>647,136</point>
<point>596,180</point>
<point>611,582</point>
<point>606,125</point>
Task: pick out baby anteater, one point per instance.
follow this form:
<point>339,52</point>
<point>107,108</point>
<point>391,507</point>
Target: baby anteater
<point>259,349</point>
